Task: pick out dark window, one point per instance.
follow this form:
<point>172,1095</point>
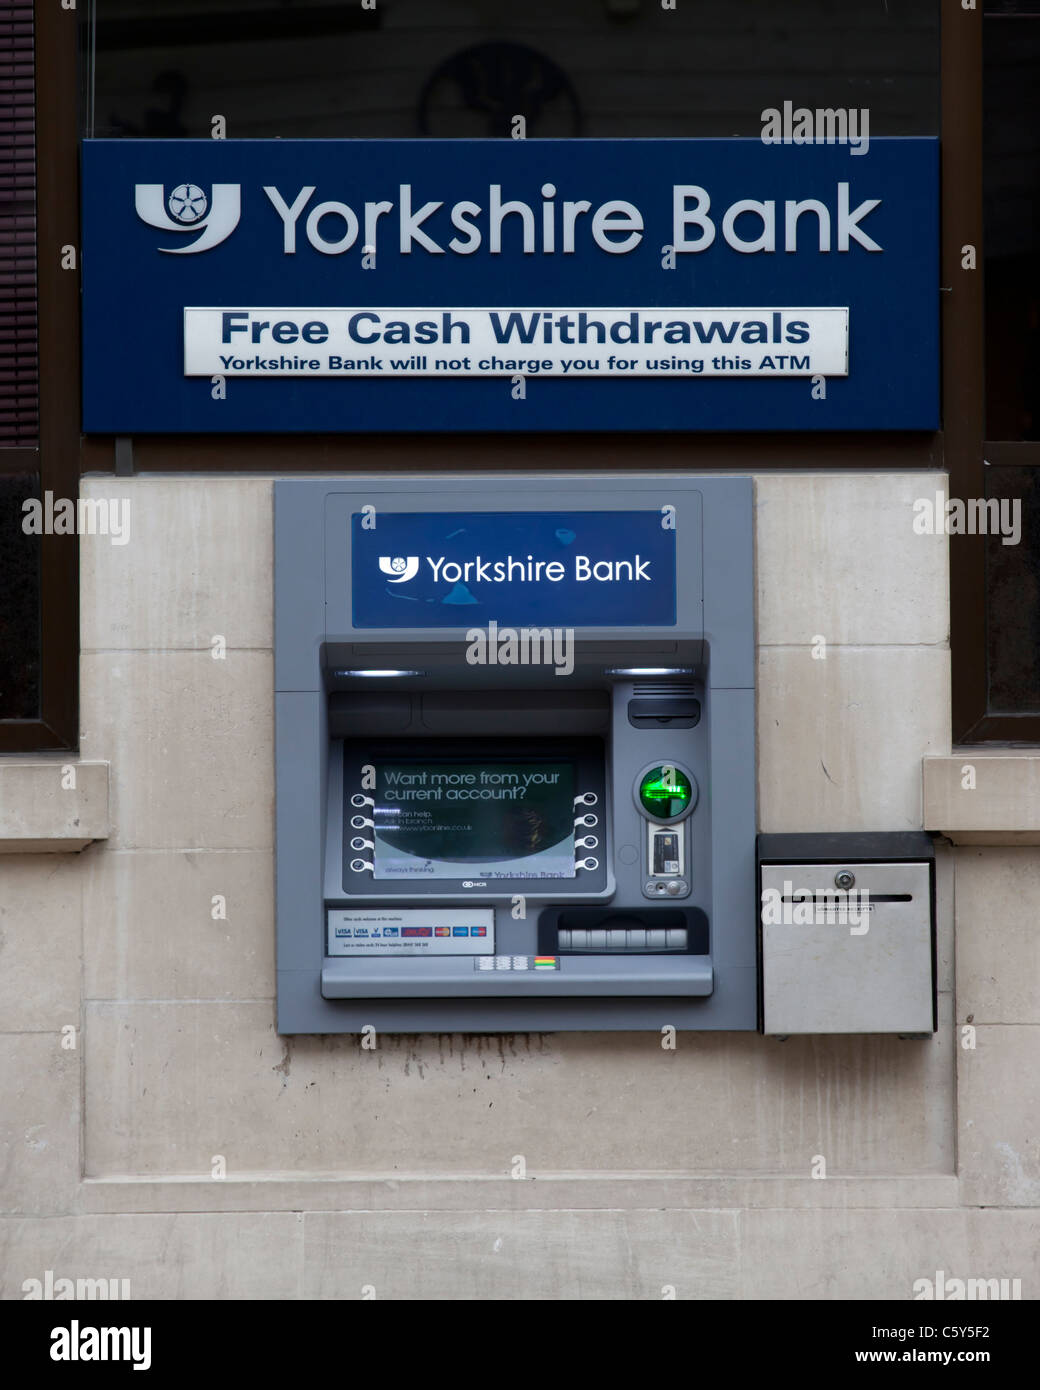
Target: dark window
<point>39,437</point>
<point>1013,591</point>
<point>20,607</point>
<point>310,68</point>
<point>1011,241</point>
<point>1011,207</point>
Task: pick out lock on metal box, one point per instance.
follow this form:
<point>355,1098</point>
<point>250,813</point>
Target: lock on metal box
<point>847,933</point>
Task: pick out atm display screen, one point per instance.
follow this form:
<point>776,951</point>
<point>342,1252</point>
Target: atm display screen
<point>497,818</point>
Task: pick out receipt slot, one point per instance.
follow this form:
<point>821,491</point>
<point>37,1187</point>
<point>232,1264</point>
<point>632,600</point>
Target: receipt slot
<point>515,754</point>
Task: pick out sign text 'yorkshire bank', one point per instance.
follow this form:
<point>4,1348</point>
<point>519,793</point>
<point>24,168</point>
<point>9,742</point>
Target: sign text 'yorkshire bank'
<point>472,569</point>
<point>524,285</point>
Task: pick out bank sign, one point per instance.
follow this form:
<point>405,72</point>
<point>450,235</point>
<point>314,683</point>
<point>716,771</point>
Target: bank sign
<point>562,569</point>
<point>356,285</point>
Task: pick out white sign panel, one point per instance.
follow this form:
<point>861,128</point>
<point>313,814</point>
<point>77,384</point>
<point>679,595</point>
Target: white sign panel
<point>411,931</point>
<point>346,342</point>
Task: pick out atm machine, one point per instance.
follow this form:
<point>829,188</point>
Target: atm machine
<point>515,753</point>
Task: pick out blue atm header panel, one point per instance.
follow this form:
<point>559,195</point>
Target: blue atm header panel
<point>584,569</point>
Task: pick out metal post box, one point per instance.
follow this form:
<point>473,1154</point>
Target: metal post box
<point>847,933</point>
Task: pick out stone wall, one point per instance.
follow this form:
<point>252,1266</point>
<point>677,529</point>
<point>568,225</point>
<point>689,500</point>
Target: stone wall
<point>343,1168</point>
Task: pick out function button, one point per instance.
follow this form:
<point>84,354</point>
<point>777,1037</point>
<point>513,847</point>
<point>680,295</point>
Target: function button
<point>597,939</point>
<point>563,939</point>
<point>358,866</point>
<point>675,938</point>
<point>635,940</point>
<point>656,939</point>
<point>588,799</point>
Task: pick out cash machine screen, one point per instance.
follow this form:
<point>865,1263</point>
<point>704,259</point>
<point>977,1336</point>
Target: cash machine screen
<point>496,818</point>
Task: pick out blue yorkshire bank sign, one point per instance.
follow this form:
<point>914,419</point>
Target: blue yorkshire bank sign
<point>459,569</point>
<point>258,286</point>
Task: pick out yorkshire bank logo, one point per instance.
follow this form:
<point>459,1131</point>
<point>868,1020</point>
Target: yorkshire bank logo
<point>616,226</point>
<point>187,210</point>
<point>398,567</point>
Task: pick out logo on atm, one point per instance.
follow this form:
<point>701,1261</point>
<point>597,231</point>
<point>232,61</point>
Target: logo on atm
<point>187,209</point>
<point>399,567</point>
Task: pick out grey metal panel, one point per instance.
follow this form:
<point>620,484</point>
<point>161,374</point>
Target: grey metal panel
<point>632,751</point>
<point>300,757</point>
<point>732,792</point>
<point>881,879</point>
<point>729,591</point>
<point>299,589</point>
<point>834,976</point>
<point>600,976</point>
<point>554,494</point>
<point>720,752</point>
<point>732,1004</point>
<point>302,1009</point>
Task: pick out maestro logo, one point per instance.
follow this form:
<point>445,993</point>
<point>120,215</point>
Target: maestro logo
<point>187,209</point>
<point>399,567</point>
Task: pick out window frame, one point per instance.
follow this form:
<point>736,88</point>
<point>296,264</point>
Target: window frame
<point>57,457</point>
<point>968,453</point>
<point>960,446</point>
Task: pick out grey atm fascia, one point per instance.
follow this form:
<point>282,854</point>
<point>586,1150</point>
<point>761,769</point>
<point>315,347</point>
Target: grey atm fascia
<point>712,984</point>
